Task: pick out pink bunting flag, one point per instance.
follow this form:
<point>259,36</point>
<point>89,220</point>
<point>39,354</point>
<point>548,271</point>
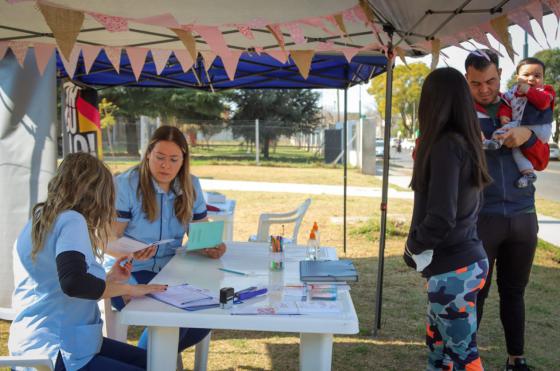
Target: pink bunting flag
<point>184,58</point>
<point>245,30</point>
<point>296,33</point>
<point>317,22</point>
<point>114,55</point>
<point>213,37</point>
<point>534,8</point>
<point>137,58</point>
<point>89,55</point>
<point>325,46</point>
<point>257,23</point>
<point>259,50</point>
<point>479,36</point>
<point>43,54</point>
<point>349,14</point>
<point>162,20</point>
<point>160,57</point>
<point>3,49</point>
<point>208,57</point>
<point>20,50</point>
<point>521,18</point>
<point>554,6</point>
<point>230,61</point>
<point>280,55</point>
<point>277,33</point>
<point>111,23</point>
<point>72,62</point>
<point>349,53</point>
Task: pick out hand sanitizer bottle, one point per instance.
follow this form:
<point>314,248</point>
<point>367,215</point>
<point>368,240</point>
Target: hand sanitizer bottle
<point>312,246</point>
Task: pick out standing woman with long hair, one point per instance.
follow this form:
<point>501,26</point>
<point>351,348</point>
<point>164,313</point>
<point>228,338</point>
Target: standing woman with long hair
<point>448,177</point>
<point>157,200</point>
<point>58,277</point>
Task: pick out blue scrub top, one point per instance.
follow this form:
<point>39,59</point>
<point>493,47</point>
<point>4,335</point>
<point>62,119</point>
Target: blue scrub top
<point>49,321</point>
<point>166,225</point>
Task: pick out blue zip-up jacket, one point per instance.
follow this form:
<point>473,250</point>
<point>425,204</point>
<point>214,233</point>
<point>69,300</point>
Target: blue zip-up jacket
<point>501,197</point>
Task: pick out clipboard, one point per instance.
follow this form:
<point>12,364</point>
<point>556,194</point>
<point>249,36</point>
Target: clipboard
<point>205,235</point>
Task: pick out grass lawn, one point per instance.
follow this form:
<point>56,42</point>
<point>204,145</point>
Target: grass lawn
<point>399,344</point>
<point>548,208</point>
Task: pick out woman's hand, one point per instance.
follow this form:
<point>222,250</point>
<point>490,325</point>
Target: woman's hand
<point>141,290</point>
<point>215,252</point>
<point>146,253</point>
<point>118,272</point>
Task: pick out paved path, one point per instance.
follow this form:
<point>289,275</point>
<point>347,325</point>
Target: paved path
<point>549,228</point>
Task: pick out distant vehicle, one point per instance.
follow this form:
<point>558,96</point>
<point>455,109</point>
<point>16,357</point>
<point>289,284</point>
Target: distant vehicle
<point>379,147</point>
<point>408,144</point>
<point>554,151</point>
<point>394,142</point>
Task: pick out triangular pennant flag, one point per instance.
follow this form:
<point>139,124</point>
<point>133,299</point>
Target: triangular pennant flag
<point>3,49</point>
<point>500,25</point>
<point>213,37</point>
<point>521,18</point>
<point>349,53</point>
<point>245,30</point>
<point>160,57</point>
<point>554,5</point>
<point>184,58</point>
<point>317,22</point>
<point>137,58</point>
<point>302,59</point>
<point>208,56</point>
<point>20,51</point>
<point>230,61</point>
<point>364,4</point>
<point>480,37</point>
<point>161,20</point>
<point>279,55</point>
<point>400,52</point>
<point>65,25</point>
<point>348,14</point>
<point>111,23</point>
<point>436,47</point>
<point>277,33</point>
<point>188,40</point>
<point>72,62</point>
<point>534,8</point>
<point>43,54</point>
<point>340,24</point>
<point>295,31</point>
<point>89,55</point>
<point>114,55</point>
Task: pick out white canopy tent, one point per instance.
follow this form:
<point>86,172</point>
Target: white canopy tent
<point>299,28</point>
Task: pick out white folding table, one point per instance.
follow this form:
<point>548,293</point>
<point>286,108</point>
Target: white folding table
<point>316,331</point>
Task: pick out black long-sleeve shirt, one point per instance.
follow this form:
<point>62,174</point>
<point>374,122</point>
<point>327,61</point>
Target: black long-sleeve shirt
<point>445,214</point>
<point>74,279</point>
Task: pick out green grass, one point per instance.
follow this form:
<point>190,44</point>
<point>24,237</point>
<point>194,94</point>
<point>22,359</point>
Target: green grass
<point>548,208</point>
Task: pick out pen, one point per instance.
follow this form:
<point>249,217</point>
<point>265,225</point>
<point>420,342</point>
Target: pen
<point>232,271</point>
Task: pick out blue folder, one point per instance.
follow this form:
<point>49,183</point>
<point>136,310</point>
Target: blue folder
<point>327,271</point>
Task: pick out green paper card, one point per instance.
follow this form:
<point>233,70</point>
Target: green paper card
<point>205,235</point>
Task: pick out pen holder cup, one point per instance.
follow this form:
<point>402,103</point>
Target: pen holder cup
<point>276,261</point>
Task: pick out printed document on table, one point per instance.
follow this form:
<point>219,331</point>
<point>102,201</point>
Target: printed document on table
<point>289,308</point>
<point>127,245</point>
<point>187,297</point>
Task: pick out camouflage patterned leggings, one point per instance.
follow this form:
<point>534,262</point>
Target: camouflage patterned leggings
<point>451,327</point>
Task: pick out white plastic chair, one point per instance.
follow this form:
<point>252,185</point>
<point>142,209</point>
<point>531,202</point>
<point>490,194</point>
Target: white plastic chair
<point>267,219</point>
<point>40,363</point>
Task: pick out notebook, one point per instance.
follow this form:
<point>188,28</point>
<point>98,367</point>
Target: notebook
<point>327,271</point>
<point>205,235</point>
<point>187,297</point>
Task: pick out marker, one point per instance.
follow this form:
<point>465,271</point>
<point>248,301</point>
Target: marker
<point>232,271</point>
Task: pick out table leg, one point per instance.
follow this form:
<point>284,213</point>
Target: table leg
<point>162,348</point>
<point>315,352</point>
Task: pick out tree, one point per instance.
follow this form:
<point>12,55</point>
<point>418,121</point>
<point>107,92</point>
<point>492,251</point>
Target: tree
<point>107,110</point>
<point>407,85</point>
<point>280,112</point>
<point>551,59</point>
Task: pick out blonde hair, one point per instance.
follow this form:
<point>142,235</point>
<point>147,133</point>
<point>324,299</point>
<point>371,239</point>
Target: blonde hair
<point>185,200</point>
<point>83,184</point>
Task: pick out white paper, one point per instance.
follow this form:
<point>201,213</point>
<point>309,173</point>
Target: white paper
<point>289,308</point>
<point>127,245</point>
<point>185,296</point>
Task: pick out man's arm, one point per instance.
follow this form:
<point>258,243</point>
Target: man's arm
<point>534,150</point>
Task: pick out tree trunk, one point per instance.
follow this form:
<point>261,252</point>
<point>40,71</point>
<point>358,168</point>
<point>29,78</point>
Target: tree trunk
<point>131,139</point>
<point>266,148</point>
<point>109,141</point>
<point>404,120</point>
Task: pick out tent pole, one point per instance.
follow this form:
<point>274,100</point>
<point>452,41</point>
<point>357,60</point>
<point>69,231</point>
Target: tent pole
<point>385,185</point>
<point>345,159</point>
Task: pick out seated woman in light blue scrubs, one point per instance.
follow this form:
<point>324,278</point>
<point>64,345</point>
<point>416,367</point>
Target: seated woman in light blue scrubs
<point>157,200</point>
<point>58,278</point>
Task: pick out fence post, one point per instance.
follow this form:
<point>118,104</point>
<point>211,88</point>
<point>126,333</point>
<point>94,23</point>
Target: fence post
<point>257,141</point>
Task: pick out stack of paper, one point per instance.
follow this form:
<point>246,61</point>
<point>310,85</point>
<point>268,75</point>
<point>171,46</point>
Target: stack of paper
<point>187,297</point>
<point>327,271</point>
<point>289,308</point>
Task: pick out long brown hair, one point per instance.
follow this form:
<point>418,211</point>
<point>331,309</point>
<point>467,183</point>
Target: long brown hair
<point>446,106</point>
<point>84,184</point>
<point>185,199</point>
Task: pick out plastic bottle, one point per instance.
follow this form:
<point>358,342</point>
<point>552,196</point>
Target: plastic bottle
<point>318,238</point>
<point>312,246</point>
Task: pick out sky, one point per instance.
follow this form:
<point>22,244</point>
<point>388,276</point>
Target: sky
<point>456,58</point>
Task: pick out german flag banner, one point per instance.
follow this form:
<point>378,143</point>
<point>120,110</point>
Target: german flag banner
<point>82,119</point>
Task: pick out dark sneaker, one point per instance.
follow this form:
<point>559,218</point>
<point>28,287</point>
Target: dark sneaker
<point>491,144</point>
<point>525,180</point>
<point>519,365</point>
